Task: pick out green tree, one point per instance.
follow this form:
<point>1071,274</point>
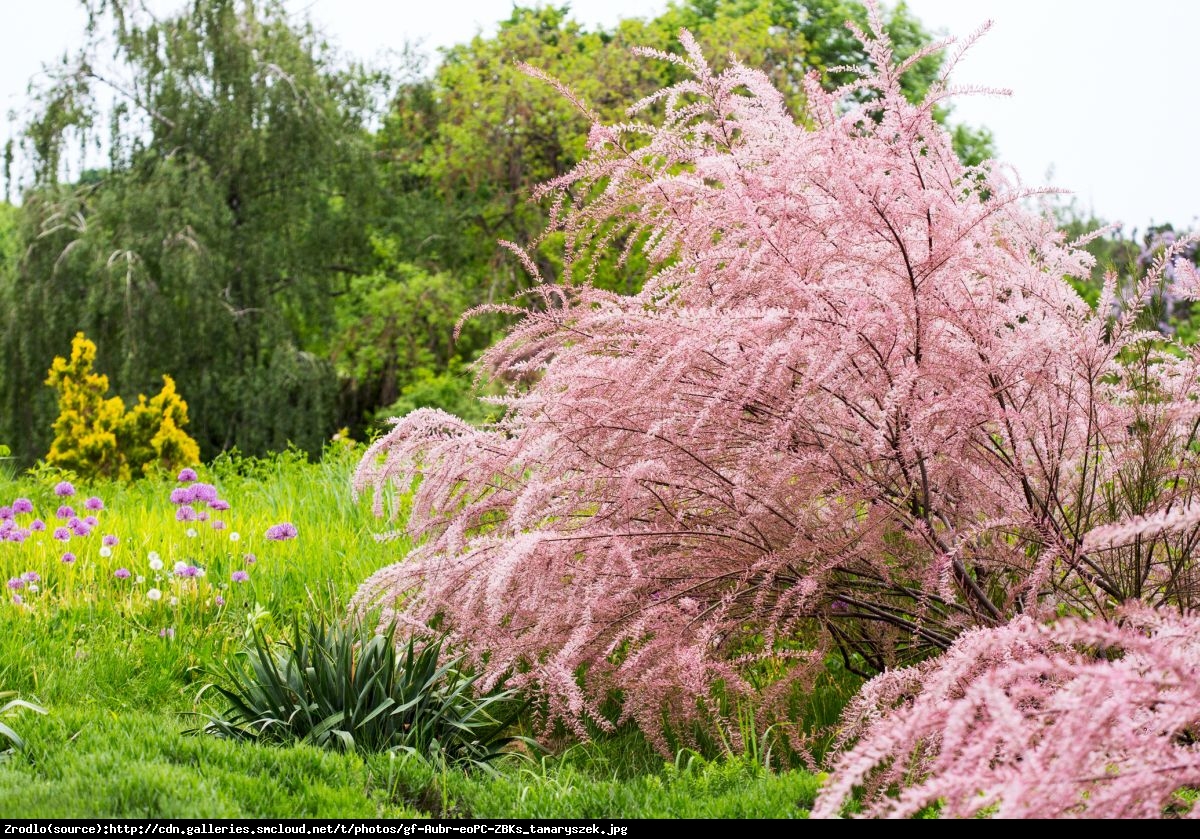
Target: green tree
<point>489,133</point>
<point>231,212</point>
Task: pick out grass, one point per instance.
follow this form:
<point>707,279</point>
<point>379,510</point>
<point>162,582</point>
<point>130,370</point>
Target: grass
<point>120,674</point>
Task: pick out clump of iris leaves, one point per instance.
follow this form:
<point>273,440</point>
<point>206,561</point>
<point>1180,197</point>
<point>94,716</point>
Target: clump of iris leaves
<point>344,686</point>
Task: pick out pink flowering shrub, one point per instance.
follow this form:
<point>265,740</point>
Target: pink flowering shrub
<point>856,405</point>
<point>1093,719</point>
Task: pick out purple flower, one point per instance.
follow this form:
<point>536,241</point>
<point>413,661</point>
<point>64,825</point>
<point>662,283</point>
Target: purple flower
<point>37,525</point>
<point>206,493</point>
<point>79,528</point>
<point>109,540</point>
<point>121,573</point>
<point>63,489</point>
<point>219,600</point>
<point>18,599</point>
<point>202,515</point>
<point>239,576</point>
<point>218,524</point>
<point>187,571</point>
<point>185,513</point>
<point>94,503</point>
<point>6,512</point>
<point>64,512</point>
<point>30,577</point>
<point>168,632</point>
<point>62,534</point>
<point>220,504</point>
<point>182,495</point>
<point>19,535</point>
<point>249,559</point>
<point>16,583</point>
<point>186,476</point>
<point>22,505</point>
<point>68,557</point>
<point>281,532</point>
<point>91,521</point>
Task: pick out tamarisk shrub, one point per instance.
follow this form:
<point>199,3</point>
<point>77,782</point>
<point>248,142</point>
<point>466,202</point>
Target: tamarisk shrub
<point>857,405</point>
<point>1084,718</point>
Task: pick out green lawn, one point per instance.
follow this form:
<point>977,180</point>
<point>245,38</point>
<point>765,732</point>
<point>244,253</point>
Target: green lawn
<point>119,670</point>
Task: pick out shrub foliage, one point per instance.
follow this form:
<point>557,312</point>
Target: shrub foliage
<point>95,437</point>
<point>346,687</point>
<point>857,406</point>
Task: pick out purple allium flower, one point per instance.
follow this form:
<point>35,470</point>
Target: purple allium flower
<point>19,535</point>
<point>182,495</point>
<point>65,512</point>
<point>63,489</point>
<point>37,525</point>
<point>187,571</point>
<point>68,557</point>
<point>167,632</point>
<point>281,532</point>
<point>121,573</point>
<point>22,505</point>
<point>239,576</point>
<point>17,599</point>
<point>219,600</point>
<point>249,559</point>
<point>91,521</point>
<point>30,577</point>
<point>220,505</point>
<point>109,540</point>
<point>16,583</point>
<point>6,512</point>
<point>185,513</point>
<point>186,476</point>
<point>79,528</point>
<point>204,492</point>
<point>218,524</point>
<point>94,503</point>
<point>62,534</point>
<point>202,515</point>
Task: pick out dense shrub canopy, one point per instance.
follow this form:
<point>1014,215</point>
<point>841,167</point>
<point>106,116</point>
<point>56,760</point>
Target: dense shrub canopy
<point>1029,721</point>
<point>857,404</point>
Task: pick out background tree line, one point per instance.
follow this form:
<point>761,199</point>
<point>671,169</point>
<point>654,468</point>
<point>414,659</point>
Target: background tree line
<point>292,236</point>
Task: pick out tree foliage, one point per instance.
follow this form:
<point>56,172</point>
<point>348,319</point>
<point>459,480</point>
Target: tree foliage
<point>856,405</point>
<point>229,211</point>
<point>251,192</point>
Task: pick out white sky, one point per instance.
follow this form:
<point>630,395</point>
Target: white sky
<point>1104,91</point>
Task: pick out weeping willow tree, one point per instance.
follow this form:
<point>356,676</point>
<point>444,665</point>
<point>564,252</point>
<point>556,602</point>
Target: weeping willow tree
<point>210,244</point>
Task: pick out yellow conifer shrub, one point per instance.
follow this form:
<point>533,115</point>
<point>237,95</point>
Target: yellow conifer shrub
<point>94,436</point>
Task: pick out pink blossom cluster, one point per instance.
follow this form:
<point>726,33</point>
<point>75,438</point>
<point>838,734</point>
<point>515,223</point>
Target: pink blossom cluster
<point>1094,719</point>
<point>856,404</point>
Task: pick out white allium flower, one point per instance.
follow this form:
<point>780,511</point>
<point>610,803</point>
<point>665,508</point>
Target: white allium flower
<point>154,594</point>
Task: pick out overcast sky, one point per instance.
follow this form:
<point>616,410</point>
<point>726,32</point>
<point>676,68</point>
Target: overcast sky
<point>1104,91</point>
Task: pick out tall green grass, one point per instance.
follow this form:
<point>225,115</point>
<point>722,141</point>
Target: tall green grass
<point>120,673</point>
